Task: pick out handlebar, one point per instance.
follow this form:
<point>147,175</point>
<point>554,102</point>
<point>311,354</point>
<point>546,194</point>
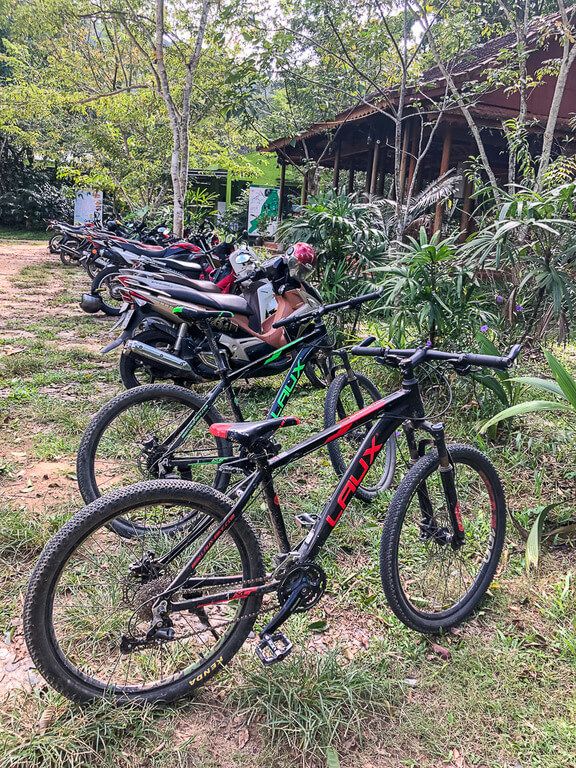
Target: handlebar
<point>460,360</point>
<point>323,310</point>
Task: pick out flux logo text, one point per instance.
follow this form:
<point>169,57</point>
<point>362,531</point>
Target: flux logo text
<point>358,474</point>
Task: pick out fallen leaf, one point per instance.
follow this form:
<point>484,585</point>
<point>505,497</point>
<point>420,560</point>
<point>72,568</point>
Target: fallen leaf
<point>46,719</point>
<point>243,738</point>
<point>439,650</point>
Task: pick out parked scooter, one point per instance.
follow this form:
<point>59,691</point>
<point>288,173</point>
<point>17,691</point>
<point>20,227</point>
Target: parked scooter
<point>159,344</point>
<point>181,258</point>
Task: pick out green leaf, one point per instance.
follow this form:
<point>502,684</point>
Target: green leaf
<point>565,381</point>
<point>321,625</point>
<point>535,536</point>
<point>532,406</point>
<point>546,384</point>
<point>332,759</point>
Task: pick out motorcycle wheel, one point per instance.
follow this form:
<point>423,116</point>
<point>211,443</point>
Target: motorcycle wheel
<point>103,286</point>
<point>54,243</point>
<point>92,267</point>
<point>134,371</point>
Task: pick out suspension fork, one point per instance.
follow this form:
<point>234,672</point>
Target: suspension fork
<point>417,449</point>
<point>448,476</point>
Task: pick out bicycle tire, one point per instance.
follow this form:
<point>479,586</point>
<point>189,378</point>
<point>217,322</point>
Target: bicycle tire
<point>399,602</point>
<point>101,421</point>
<point>332,406</point>
<point>41,634</point>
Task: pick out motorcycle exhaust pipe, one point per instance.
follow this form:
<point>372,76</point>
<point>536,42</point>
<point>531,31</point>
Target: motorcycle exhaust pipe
<point>157,355</point>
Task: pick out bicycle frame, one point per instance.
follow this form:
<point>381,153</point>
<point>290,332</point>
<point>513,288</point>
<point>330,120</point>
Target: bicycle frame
<point>310,343</point>
<point>390,413</point>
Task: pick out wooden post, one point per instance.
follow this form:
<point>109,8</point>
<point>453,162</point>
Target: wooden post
<point>350,181</point>
<point>304,198</point>
<point>336,178</point>
<point>281,193</point>
<point>374,172</point>
<point>369,168</point>
<point>444,165</point>
<point>466,209</point>
<point>382,175</point>
<point>413,158</point>
<point>403,158</point>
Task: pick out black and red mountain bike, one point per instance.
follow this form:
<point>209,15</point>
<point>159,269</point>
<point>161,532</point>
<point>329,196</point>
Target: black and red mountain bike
<point>153,616</point>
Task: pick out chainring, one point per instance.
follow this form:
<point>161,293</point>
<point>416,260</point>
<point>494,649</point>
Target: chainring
<point>311,593</point>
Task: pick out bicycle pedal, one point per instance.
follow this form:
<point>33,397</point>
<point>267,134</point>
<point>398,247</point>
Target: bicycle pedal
<point>273,648</point>
<point>306,521</point>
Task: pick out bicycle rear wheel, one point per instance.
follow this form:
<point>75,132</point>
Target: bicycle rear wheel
<point>345,397</point>
<point>88,609</point>
<point>431,584</point>
<point>124,443</point>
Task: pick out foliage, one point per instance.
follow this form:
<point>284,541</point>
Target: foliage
<point>507,391</point>
<point>28,196</point>
<point>315,702</point>
<point>530,248</point>
<point>405,216</point>
<point>349,237</point>
<point>430,293</point>
<point>562,387</point>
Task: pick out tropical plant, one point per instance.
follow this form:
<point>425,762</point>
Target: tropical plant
<point>402,217</point>
<point>562,387</point>
<point>430,294</point>
<point>507,391</point>
<point>350,238</point>
<point>530,250</point>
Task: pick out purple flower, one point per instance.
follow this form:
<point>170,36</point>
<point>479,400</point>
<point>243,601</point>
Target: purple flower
<point>519,308</point>
<point>499,299</point>
<point>428,343</point>
<point>483,328</point>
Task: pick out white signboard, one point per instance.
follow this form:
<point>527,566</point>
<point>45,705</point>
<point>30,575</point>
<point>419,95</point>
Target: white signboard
<point>88,207</point>
<point>263,207</point>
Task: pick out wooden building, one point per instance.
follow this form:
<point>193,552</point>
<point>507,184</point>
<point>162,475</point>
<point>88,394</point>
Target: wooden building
<point>361,139</point>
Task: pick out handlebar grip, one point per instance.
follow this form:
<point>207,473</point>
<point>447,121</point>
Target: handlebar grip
<point>368,351</point>
<point>366,297</point>
<point>367,341</point>
<point>290,320</point>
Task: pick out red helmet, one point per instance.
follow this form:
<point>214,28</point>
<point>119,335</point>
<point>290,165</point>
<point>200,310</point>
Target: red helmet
<point>301,258</point>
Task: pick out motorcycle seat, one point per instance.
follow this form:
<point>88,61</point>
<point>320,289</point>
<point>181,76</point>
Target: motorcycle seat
<point>182,266</point>
<point>188,282</point>
<point>210,300</point>
<point>154,251</point>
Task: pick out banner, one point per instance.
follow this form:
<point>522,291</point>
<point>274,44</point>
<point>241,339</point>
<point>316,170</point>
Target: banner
<point>263,208</point>
<point>88,207</point>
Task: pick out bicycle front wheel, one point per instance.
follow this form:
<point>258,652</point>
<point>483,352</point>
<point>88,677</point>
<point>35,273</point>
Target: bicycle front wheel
<point>88,615</point>
<point>432,583</point>
<point>345,397</point>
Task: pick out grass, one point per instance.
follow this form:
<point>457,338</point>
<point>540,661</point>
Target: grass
<point>315,704</point>
<point>7,233</point>
<point>359,688</point>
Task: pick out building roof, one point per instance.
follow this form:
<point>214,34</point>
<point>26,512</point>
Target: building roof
<point>473,60</point>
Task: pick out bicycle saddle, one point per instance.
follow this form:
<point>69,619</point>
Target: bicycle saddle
<point>247,432</point>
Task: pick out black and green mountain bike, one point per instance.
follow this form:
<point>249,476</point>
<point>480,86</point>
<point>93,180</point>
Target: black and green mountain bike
<point>159,431</point>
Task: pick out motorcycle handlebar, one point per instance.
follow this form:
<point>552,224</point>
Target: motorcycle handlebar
<point>457,359</point>
<point>320,311</point>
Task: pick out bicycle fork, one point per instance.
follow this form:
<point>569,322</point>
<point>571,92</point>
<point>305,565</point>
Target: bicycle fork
<point>429,527</point>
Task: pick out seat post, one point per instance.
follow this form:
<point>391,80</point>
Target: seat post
<point>273,504</point>
<point>214,348</point>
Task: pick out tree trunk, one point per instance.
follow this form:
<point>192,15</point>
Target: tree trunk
<point>568,58</point>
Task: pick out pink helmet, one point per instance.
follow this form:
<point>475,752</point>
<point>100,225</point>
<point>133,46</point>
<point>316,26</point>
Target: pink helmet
<point>301,258</point>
